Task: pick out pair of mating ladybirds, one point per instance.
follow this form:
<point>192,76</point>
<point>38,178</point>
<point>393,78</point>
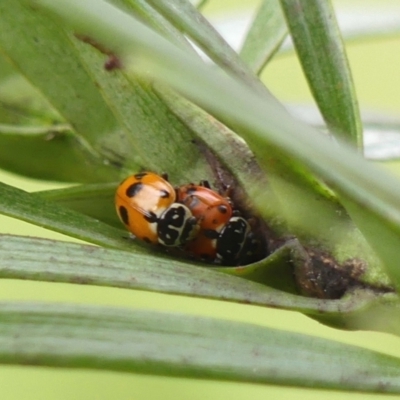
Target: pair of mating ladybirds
<point>191,217</point>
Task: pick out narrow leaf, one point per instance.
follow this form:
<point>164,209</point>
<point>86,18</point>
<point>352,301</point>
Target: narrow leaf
<point>33,209</point>
<point>377,22</point>
<point>40,259</point>
<point>61,155</point>
<point>186,17</point>
<point>54,261</point>
<point>169,344</point>
<point>144,11</point>
<point>265,36</point>
<point>321,52</point>
<point>94,200</point>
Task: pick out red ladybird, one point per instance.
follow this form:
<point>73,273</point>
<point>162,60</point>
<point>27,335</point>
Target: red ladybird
<point>222,234</point>
<point>145,203</point>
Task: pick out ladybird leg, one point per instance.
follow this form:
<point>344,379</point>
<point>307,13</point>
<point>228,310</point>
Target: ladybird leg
<point>211,233</point>
<point>164,175</point>
<point>151,217</point>
<point>191,229</point>
<point>130,236</point>
<point>205,184</point>
<point>140,175</point>
<point>228,190</point>
<point>217,261</point>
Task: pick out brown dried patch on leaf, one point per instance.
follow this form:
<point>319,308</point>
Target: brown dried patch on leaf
<point>113,62</point>
<point>320,275</point>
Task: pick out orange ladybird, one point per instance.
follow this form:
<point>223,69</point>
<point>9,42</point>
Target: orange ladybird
<point>145,203</point>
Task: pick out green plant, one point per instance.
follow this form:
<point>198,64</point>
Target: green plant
<point>93,126</point>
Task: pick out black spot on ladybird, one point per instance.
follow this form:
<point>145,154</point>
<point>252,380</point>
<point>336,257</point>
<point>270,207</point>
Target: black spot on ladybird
<point>222,209</point>
<point>134,189</point>
<point>123,213</point>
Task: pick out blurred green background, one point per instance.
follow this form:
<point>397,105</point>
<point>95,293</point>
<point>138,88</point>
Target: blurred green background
<point>375,65</point>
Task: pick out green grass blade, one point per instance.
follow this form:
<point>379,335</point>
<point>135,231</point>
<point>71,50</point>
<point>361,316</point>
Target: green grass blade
<point>6,69</point>
<point>33,209</point>
<point>369,27</point>
<point>62,156</point>
<point>22,104</point>
<point>54,261</point>
<point>169,344</point>
<point>34,140</point>
<point>94,200</point>
<point>265,36</point>
<point>321,52</point>
<point>144,11</point>
<point>186,17</point>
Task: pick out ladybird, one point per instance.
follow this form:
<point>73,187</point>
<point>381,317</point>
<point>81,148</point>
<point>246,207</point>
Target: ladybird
<point>222,234</point>
<point>146,205</point>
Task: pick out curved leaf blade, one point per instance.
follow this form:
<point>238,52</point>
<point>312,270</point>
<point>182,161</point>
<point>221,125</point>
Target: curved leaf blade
<point>143,10</point>
<point>40,259</point>
<point>186,17</point>
<point>94,200</point>
<point>321,52</point>
<point>375,21</point>
<point>266,34</point>
<point>181,345</point>
<point>31,208</point>
<point>54,261</point>
<point>63,157</point>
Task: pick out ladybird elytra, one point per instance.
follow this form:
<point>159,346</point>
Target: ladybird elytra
<point>212,210</point>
